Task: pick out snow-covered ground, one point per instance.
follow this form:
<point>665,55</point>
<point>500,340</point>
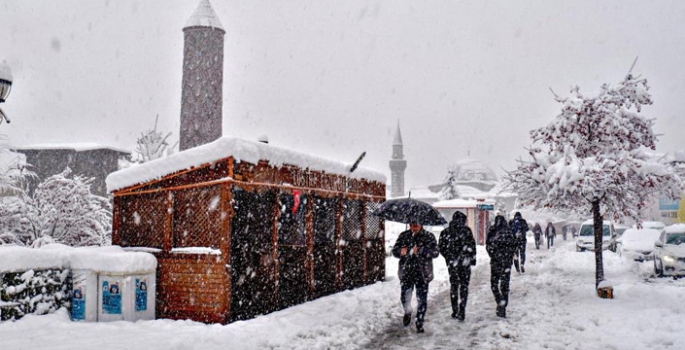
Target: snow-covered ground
<point>552,306</point>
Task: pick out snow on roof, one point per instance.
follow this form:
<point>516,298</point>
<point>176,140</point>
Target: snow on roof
<point>112,259</point>
<point>241,150</point>
<point>78,147</point>
<point>204,16</point>
<point>5,71</point>
<point>461,203</point>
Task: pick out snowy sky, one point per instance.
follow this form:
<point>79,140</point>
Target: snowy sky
<point>333,77</point>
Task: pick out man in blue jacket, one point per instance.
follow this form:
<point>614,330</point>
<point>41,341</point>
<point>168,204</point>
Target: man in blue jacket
<point>416,248</point>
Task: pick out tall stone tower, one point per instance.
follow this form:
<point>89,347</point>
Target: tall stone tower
<point>203,77</point>
<point>397,165</point>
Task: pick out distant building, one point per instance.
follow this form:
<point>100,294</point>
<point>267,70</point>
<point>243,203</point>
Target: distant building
<point>397,165</point>
<point>90,160</point>
<point>203,75</point>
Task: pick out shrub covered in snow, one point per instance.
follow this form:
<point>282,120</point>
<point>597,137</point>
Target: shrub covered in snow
<point>33,292</point>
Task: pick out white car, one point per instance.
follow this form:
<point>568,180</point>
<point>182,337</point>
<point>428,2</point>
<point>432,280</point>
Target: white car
<point>669,252</point>
<point>657,225</point>
<point>637,244</point>
<point>586,236</point>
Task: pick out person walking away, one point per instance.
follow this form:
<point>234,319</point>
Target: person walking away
<point>458,247</point>
<point>501,245</point>
<point>519,227</point>
<point>537,235</point>
<point>416,248</point>
<point>550,233</point>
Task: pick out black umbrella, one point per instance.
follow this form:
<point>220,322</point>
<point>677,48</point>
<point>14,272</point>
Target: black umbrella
<point>407,210</point>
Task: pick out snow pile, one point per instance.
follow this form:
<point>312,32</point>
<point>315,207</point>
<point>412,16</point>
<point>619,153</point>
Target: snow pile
<point>241,150</point>
<point>552,306</point>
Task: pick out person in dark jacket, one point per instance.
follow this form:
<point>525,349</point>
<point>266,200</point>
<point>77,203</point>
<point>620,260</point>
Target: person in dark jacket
<point>519,227</point>
<point>537,234</point>
<point>416,248</point>
<point>501,245</point>
<point>458,247</point>
<point>550,233</point>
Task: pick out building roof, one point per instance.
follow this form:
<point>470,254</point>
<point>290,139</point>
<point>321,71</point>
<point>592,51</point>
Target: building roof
<point>78,147</point>
<point>239,149</point>
<point>204,16</point>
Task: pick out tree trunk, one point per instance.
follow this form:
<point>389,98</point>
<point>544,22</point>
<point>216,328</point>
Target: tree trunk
<point>597,225</point>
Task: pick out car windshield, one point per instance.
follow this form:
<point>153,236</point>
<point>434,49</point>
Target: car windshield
<point>588,230</point>
<point>675,238</point>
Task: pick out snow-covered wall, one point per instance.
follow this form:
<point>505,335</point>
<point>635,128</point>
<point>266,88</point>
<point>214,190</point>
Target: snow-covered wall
<point>241,150</point>
<point>112,259</point>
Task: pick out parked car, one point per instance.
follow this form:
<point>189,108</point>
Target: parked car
<point>638,244</point>
<point>620,229</point>
<point>669,252</point>
<point>586,236</point>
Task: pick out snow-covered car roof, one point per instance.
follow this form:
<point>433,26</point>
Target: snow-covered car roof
<point>675,228</point>
<point>636,239</point>
<point>591,221</point>
<point>652,224</point>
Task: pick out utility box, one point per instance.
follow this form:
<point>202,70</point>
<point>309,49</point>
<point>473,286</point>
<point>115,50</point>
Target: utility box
<point>111,284</point>
<point>84,297</point>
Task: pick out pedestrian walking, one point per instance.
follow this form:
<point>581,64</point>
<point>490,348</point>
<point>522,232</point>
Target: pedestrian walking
<point>537,235</point>
<point>550,233</point>
<point>416,248</point>
<point>458,247</point>
<point>501,245</point>
<point>519,227</point>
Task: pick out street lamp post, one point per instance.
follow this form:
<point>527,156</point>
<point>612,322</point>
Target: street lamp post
<point>5,87</point>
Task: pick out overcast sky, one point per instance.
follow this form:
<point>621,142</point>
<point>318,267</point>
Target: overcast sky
<point>332,78</point>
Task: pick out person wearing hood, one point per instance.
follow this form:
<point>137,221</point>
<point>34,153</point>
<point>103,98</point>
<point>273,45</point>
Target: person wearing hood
<point>537,234</point>
<point>501,245</point>
<point>416,248</point>
<point>458,247</point>
<point>519,227</point>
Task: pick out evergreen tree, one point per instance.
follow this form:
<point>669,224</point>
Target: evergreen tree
<point>450,190</point>
<point>594,159</point>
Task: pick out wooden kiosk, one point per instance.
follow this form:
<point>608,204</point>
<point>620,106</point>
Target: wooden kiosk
<point>242,228</point>
<point>477,214</point>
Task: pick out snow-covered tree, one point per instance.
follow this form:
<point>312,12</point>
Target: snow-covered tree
<point>152,145</point>
<point>594,159</point>
<point>450,190</point>
<point>70,214</point>
<point>62,210</point>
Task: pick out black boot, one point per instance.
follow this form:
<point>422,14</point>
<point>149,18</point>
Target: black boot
<point>461,315</point>
<point>419,328</point>
<point>501,311</point>
<point>406,320</point>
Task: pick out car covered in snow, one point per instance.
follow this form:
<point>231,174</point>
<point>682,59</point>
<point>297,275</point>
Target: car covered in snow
<point>586,236</point>
<point>669,252</point>
<point>657,225</point>
<point>638,244</point>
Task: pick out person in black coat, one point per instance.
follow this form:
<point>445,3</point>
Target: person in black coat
<point>519,227</point>
<point>416,248</point>
<point>501,245</point>
<point>550,233</point>
<point>537,234</point>
<point>458,247</point>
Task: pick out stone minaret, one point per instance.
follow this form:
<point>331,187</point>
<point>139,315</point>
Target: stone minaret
<point>203,77</point>
<point>397,165</point>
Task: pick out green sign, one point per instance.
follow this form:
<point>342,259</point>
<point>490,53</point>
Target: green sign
<point>486,206</point>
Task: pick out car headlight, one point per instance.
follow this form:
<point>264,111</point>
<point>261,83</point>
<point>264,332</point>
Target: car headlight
<point>668,259</point>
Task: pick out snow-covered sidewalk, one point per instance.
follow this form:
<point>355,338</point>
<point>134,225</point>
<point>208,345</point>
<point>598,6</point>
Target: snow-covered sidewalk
<point>552,306</point>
